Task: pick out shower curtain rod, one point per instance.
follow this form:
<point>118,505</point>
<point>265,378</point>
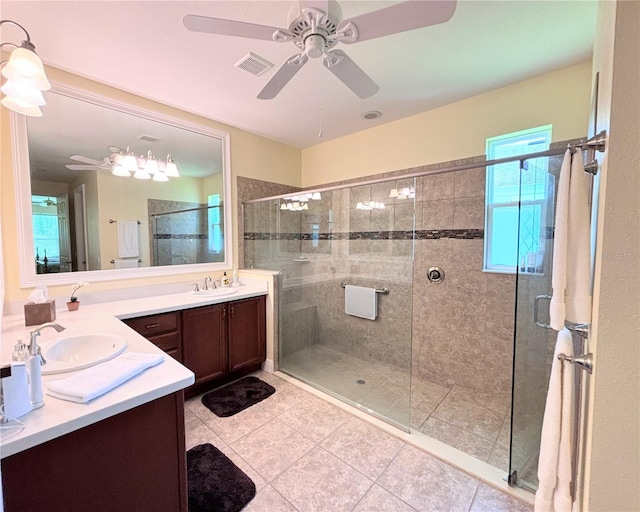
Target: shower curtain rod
<point>596,143</point>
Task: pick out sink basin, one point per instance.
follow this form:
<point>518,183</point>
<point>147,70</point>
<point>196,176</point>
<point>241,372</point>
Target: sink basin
<point>214,292</point>
<point>71,353</point>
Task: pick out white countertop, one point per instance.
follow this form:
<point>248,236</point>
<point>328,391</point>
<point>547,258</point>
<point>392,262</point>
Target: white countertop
<point>59,417</point>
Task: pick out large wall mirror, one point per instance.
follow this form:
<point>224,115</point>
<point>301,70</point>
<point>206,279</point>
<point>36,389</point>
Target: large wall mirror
<point>107,190</point>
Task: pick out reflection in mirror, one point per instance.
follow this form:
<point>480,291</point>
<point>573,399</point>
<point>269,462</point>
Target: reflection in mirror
<point>116,187</point>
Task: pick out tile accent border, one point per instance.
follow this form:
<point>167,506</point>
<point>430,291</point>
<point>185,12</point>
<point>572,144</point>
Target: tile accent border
<point>422,234</point>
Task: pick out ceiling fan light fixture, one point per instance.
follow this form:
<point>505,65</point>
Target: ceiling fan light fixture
<point>130,162</point>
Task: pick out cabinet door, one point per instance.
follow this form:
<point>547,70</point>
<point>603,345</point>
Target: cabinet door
<point>204,341</point>
<point>247,333</point>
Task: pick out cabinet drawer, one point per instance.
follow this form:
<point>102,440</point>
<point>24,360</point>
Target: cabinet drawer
<point>154,324</point>
<point>167,342</point>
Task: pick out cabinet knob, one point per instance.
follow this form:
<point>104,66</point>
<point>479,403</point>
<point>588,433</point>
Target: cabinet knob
<point>231,311</point>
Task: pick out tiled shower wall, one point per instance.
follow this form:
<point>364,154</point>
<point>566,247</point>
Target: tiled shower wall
<point>462,328</point>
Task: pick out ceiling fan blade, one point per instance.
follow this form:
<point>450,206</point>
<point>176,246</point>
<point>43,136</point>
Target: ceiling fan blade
<point>341,65</point>
<point>286,72</point>
<point>82,167</point>
<point>85,159</point>
<point>228,27</point>
<point>399,18</point>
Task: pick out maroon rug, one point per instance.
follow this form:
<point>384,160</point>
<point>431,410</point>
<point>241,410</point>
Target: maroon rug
<point>237,396</point>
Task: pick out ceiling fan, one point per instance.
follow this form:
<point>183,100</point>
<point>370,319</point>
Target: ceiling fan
<point>90,163</point>
<point>318,28</point>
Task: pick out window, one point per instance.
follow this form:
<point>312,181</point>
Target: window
<point>214,222</point>
<point>516,202</point>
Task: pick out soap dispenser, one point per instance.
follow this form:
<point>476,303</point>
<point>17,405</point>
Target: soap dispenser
<point>225,279</point>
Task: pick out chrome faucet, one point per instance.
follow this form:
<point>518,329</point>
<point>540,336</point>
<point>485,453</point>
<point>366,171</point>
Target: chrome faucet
<point>34,348</point>
<point>208,280</point>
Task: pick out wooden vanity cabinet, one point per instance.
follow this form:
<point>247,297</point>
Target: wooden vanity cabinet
<point>218,343</point>
<point>163,330</point>
<point>205,342</point>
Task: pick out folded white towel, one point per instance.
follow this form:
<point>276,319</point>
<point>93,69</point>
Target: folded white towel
<point>578,273</point>
<point>97,380</point>
<point>128,239</point>
<point>557,312</point>
<point>361,301</point>
<point>555,461</point>
<point>132,263</point>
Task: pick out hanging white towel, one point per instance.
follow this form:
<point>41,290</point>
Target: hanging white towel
<point>571,298</point>
<point>361,302</point>
<point>578,290</point>
<point>128,239</point>
<point>132,263</point>
<point>557,312</point>
<point>555,462</point>
<point>97,380</point>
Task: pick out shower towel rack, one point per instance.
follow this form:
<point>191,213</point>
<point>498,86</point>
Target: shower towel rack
<point>584,361</point>
<point>113,261</point>
<point>383,291</point>
<point>111,221</point>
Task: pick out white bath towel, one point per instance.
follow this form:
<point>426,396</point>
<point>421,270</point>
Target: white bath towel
<point>555,461</point>
<point>361,302</point>
<point>571,298</point>
<point>132,263</point>
<point>128,239</point>
<point>578,290</point>
<point>97,380</point>
<point>557,312</point>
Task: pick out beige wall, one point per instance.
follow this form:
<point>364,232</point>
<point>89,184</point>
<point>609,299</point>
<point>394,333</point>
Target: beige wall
<point>251,156</point>
<point>612,480</point>
<point>457,130</point>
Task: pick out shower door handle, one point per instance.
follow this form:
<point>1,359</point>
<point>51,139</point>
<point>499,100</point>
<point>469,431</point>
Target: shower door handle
<point>536,310</point>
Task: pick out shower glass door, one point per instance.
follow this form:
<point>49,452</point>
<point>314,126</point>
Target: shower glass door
<point>321,243</point>
<point>534,343</point>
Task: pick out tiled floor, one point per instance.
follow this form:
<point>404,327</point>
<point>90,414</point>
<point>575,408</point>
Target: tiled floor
<point>471,421</point>
<point>307,455</point>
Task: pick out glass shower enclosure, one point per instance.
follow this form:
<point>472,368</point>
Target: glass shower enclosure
<point>322,244</point>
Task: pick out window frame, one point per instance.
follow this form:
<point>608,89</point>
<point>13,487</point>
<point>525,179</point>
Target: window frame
<point>491,206</point>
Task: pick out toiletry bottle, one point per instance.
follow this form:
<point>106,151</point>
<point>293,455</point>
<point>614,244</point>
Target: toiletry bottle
<point>225,279</point>
<point>234,278</point>
<point>34,369</point>
<point>20,352</point>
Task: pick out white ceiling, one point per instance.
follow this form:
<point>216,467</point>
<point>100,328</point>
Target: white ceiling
<point>142,47</point>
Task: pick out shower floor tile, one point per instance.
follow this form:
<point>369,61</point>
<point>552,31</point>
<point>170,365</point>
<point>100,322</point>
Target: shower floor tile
<point>466,419</point>
<point>355,467</point>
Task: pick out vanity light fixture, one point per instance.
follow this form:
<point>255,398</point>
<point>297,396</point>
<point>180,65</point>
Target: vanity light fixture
<point>370,205</point>
<point>123,164</point>
<point>299,202</point>
<point>25,77</point>
<point>403,193</point>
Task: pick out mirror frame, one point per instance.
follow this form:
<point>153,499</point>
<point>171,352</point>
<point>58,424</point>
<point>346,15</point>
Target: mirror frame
<point>22,183</point>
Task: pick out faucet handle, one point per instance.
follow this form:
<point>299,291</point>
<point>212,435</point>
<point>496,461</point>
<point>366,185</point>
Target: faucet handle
<point>195,287</point>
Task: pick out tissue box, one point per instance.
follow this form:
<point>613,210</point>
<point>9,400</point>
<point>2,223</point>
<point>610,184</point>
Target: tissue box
<point>36,314</point>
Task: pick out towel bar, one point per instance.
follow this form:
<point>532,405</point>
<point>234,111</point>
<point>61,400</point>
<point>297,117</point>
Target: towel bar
<point>584,361</point>
<point>113,261</point>
<point>383,291</point>
<point>111,221</point>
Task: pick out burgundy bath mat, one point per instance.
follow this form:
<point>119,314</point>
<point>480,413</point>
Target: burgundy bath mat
<point>237,396</point>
